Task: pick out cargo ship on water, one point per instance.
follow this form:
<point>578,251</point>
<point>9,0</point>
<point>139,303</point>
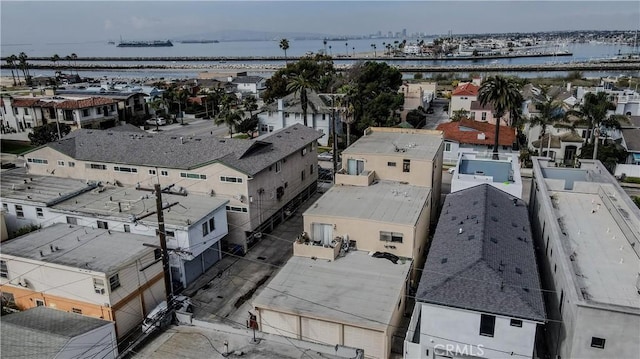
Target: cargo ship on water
<point>156,43</point>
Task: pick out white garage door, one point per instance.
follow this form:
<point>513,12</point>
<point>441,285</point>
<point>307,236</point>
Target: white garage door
<point>371,341</point>
<point>314,330</point>
<point>129,317</point>
<point>279,323</point>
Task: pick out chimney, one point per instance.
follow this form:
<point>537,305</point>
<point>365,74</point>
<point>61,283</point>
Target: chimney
<point>181,140</point>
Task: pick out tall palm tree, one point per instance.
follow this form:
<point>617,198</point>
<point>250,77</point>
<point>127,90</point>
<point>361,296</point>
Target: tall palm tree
<point>250,103</point>
<point>346,48</point>
<point>374,49</point>
<point>503,94</point>
<point>68,58</point>
<point>550,113</point>
<point>13,59</point>
<point>182,97</point>
<point>324,43</point>
<point>301,83</point>
<point>24,66</point>
<point>55,58</point>
<point>284,45</point>
<point>74,57</point>
<point>10,65</point>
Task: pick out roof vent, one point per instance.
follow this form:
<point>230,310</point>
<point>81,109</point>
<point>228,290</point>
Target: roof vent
<point>443,260</point>
<point>460,230</point>
<point>518,270</point>
<point>514,224</point>
<point>494,240</point>
<point>471,236</point>
<point>494,218</point>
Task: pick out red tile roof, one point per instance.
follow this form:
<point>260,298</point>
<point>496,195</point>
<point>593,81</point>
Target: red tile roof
<point>84,103</point>
<point>24,102</point>
<point>468,89</point>
<point>467,131</point>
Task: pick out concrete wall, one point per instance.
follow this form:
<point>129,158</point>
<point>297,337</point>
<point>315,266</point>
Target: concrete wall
<point>461,103</point>
<point>441,325</point>
<point>420,173</point>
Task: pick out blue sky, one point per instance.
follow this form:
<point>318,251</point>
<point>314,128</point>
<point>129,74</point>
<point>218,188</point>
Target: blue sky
<point>76,21</point>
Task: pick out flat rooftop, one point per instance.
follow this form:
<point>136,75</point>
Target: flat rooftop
<point>399,142</point>
<point>356,289</point>
<point>384,201</point>
<point>124,203</point>
<point>499,170</point>
<point>604,261</point>
<point>46,190</point>
<point>95,249</point>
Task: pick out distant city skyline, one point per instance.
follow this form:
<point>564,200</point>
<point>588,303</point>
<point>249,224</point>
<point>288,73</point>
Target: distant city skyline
<point>42,22</point>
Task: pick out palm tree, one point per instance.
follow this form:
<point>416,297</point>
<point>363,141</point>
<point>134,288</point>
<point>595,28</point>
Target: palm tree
<point>182,97</point>
<point>284,45</point>
<point>230,117</point>
<point>13,59</point>
<point>68,58</point>
<point>55,58</point>
<point>75,61</point>
<point>24,66</point>
<point>346,48</point>
<point>374,49</point>
<point>324,43</point>
<point>10,64</point>
<point>550,113</point>
<point>503,94</point>
<point>250,103</point>
<point>300,83</point>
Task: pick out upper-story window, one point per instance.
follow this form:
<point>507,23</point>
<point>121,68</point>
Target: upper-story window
<point>85,112</point>
<point>125,169</point>
<point>114,281</point>
<point>230,179</point>
<point>278,166</point>
<point>487,325</point>
<point>4,271</point>
<point>192,175</point>
<point>26,111</point>
<point>447,147</point>
<point>164,173</point>
<point>406,165</point>
<point>61,163</point>
<point>19,211</point>
<point>37,161</point>
<point>96,166</point>
<point>484,116</point>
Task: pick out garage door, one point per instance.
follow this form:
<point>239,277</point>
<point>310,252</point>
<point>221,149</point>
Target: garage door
<point>279,323</point>
<point>129,317</point>
<point>210,256</point>
<point>320,331</point>
<point>371,341</point>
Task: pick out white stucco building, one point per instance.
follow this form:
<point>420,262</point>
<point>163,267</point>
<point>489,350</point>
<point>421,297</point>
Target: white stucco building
<point>473,169</point>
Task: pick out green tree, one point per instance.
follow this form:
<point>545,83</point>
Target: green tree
<point>14,61</point>
<point>41,135</point>
<point>300,83</point>
<point>250,104</point>
<point>284,45</point>
<point>503,94</point>
<point>459,115</point>
<point>319,67</point>
<point>549,114</point>
<point>416,117</point>
<point>248,125</point>
<point>11,64</point>
<point>230,117</point>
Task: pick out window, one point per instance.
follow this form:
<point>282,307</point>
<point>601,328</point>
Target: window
<point>230,179</point>
<point>597,342</point>
<point>302,175</point>
<point>72,220</point>
<point>39,303</point>
<point>19,212</point>
<point>38,161</point>
<point>99,110</point>
<point>15,111</point>
<point>125,169</point>
<point>263,127</point>
<point>278,166</point>
<point>164,173</point>
<point>236,209</point>
<point>5,207</point>
<point>192,175</point>
<point>61,163</point>
<point>103,225</point>
<point>85,112</point>
<point>96,166</point>
<point>516,323</point>
<point>391,237</point>
<point>157,253</point>
<point>127,228</point>
<point>270,128</point>
<point>171,234</point>
<point>205,229</point>
<point>26,111</point>
<point>286,115</point>
<point>152,172</point>
<point>484,116</point>
<point>72,164</point>
<point>114,281</point>
<point>447,147</point>
<point>391,164</point>
<point>112,108</point>
<point>406,165</point>
<point>303,151</point>
<point>39,212</point>
<point>76,310</point>
<point>4,271</point>
<point>561,301</point>
<point>487,325</point>
<point>311,169</point>
<point>212,224</point>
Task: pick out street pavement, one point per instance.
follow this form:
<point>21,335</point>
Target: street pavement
<point>191,127</point>
<point>438,116</point>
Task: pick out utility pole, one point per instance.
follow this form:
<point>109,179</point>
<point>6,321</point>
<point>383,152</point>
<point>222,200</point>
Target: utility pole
<point>163,243</point>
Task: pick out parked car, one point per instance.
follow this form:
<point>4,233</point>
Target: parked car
<point>160,121</point>
<point>325,156</point>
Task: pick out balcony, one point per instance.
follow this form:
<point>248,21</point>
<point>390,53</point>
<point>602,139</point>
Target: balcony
<point>305,247</point>
<point>365,178</point>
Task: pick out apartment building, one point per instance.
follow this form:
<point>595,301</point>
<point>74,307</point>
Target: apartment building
<point>479,294</point>
<point>586,232</point>
<point>462,97</point>
<point>473,169</point>
<point>263,178</point>
<point>90,271</point>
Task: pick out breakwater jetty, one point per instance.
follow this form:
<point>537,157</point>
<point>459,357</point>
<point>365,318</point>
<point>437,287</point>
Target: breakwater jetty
<point>627,65</point>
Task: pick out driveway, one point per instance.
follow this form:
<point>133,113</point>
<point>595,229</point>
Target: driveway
<point>224,293</point>
<point>438,116</point>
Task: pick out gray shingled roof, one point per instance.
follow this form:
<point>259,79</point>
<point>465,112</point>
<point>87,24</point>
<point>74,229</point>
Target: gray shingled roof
<point>491,266</point>
<point>247,79</point>
<point>167,151</point>
<point>42,332</point>
<point>316,104</point>
<point>632,138</point>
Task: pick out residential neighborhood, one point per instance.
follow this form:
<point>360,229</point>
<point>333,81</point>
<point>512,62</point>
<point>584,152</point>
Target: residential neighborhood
<point>190,191</point>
